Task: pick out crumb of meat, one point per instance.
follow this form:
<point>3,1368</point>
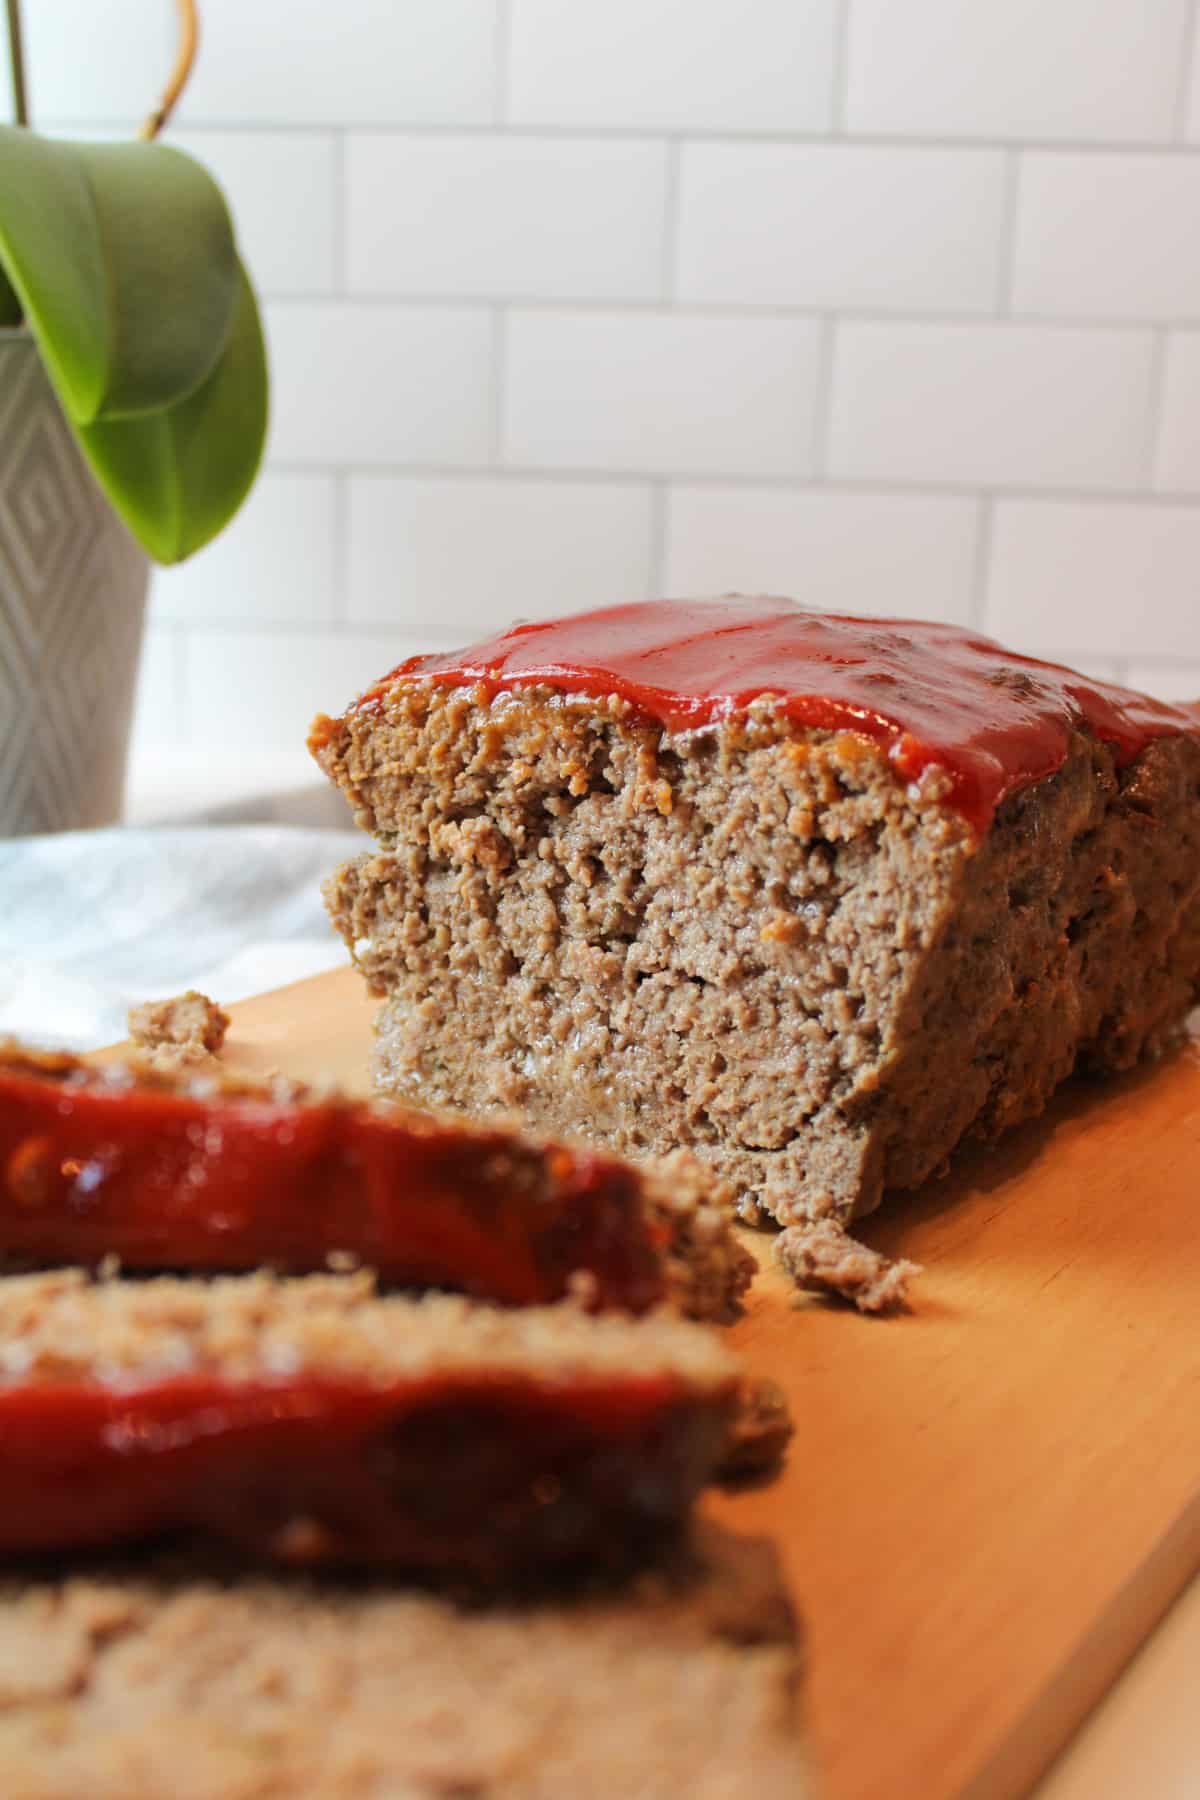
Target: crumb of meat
<point>187,1030</point>
<point>759,1435</point>
<point>823,1258</point>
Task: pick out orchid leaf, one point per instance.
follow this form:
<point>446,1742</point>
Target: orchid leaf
<point>177,476</point>
<point>123,259</point>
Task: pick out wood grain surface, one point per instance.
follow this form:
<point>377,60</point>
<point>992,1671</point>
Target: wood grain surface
<point>991,1500</point>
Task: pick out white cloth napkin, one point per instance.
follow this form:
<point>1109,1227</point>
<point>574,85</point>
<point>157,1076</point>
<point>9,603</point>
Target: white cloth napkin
<point>93,921</point>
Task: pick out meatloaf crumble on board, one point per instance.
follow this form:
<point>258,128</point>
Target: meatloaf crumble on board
<point>311,1421</point>
<point>165,1167</point>
<point>813,896</point>
<point>186,1030</point>
<point>171,1684</point>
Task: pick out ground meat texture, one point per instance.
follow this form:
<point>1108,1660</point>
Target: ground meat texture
<point>170,1684</point>
<point>824,1260</point>
<point>751,939</point>
<point>310,1421</point>
<point>188,1029</point>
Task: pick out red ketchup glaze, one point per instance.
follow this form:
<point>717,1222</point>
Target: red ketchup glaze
<point>459,1472</point>
<point>164,1180</point>
<point>932,695</point>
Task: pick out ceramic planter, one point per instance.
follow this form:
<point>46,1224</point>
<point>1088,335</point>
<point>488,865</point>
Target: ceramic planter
<point>72,602</point>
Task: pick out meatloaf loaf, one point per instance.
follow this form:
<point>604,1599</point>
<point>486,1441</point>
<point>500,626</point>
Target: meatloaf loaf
<point>165,1167</point>
<point>813,896</point>
<point>176,1685</point>
<point>310,1421</point>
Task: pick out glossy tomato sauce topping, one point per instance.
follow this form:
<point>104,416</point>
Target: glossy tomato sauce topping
<point>931,694</point>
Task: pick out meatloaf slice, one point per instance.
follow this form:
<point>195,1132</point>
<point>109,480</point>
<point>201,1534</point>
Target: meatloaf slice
<point>812,896</point>
<point>173,1685</point>
<point>310,1421</point>
<point>165,1168</point>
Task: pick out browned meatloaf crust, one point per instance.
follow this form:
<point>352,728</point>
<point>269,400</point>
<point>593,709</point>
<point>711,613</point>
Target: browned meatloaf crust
<point>180,1686</point>
<point>748,936</point>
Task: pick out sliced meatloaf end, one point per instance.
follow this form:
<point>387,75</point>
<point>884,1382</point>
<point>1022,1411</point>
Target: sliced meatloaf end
<point>173,1685</point>
<point>167,1168</point>
<point>812,897</point>
<point>310,1421</point>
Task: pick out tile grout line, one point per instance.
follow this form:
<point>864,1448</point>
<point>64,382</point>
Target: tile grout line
<point>407,630</point>
<point>744,312</point>
<point>883,140</point>
<point>899,485</point>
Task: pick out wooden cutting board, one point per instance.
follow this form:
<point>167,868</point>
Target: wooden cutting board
<point>990,1501</point>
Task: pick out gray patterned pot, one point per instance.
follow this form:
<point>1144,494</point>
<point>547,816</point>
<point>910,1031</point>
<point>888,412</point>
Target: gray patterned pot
<point>72,602</point>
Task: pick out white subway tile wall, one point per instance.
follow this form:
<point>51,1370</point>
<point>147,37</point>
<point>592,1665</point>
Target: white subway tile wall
<point>286,190</point>
<point>379,384</point>
<point>368,62</point>
<point>840,226</point>
<point>157,717</point>
<point>1000,405</point>
<point>1119,579</point>
<point>892,306</point>
<point>494,550</point>
<point>1018,69</point>
<point>269,686</point>
<point>684,65</point>
<point>846,551</point>
<point>659,392</point>
<point>1104,236</point>
<point>274,565</point>
<point>516,217</point>
<point>87,62</point>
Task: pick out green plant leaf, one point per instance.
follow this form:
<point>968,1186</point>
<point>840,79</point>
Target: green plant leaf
<point>123,259</point>
<point>177,476</point>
